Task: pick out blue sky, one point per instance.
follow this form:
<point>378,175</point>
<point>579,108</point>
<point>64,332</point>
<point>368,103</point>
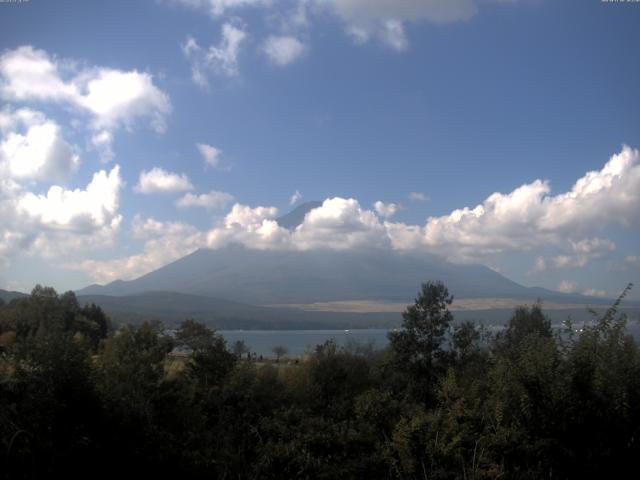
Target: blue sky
<point>206,116</point>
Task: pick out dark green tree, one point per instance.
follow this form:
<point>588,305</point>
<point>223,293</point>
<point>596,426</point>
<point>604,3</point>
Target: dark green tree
<point>418,346</point>
<point>210,361</point>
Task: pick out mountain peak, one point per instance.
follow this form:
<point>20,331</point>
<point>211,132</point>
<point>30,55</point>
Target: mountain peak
<point>296,216</point>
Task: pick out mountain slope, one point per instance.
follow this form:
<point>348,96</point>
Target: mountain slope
<point>296,216</point>
<point>7,296</point>
<point>171,308</point>
<point>260,277</point>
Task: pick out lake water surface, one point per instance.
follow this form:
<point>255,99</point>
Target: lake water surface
<point>297,342</point>
<point>261,342</point>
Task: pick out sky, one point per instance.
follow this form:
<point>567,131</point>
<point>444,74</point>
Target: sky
<point>500,132</point>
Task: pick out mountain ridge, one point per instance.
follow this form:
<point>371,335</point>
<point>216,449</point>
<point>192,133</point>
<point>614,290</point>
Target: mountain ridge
<point>265,277</point>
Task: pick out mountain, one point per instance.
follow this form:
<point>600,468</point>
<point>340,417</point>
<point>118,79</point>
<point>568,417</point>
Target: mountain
<point>260,277</point>
<point>238,287</point>
<point>7,296</point>
<point>296,216</point>
<point>172,307</point>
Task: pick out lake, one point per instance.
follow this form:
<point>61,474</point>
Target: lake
<point>261,342</point>
<point>297,342</point>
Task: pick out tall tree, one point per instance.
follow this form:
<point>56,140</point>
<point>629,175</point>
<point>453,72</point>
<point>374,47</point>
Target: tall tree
<point>417,348</point>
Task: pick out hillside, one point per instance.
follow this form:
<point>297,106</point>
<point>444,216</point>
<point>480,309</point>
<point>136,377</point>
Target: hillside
<point>258,277</point>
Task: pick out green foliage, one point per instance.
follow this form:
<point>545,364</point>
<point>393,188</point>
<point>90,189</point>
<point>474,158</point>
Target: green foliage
<point>210,360</point>
<point>444,401</point>
<point>418,346</point>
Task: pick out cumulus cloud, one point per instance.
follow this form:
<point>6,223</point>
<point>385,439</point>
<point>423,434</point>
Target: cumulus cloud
<point>217,8</point>
<point>386,210</point>
<point>511,222</point>
<point>632,260</point>
<point>218,59</point>
<point>418,197</point>
<point>295,198</point>
<point>74,209</point>
<point>111,98</point>
<point>393,35</point>
<point>436,11</point>
<point>385,19</point>
<point>342,224</point>
<point>158,180</point>
<point>210,154</point>
<point>211,201</point>
<point>32,147</point>
<point>30,74</point>
<point>504,222</point>
<point>540,265</point>
<point>584,251</point>
<point>164,242</point>
<point>103,141</point>
<point>567,287</point>
<point>592,292</point>
<point>63,220</point>
<point>283,50</point>
<point>253,227</point>
<point>115,97</point>
<point>530,217</point>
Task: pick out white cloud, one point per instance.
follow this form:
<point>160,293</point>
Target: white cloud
<point>158,180</point>
<point>633,260</point>
<point>77,209</point>
<point>418,197</point>
<point>436,11</point>
<point>540,265</point>
<point>385,18</point>
<point>295,198</point>
<point>197,58</point>
<point>583,252</point>
<point>211,201</point>
<point>32,147</point>
<point>567,287</point>
<point>253,227</point>
<point>529,217</point>
<point>111,98</point>
<point>29,74</point>
<point>216,8</point>
<point>245,216</point>
<point>283,50</point>
<point>64,221</point>
<point>394,36</point>
<point>295,18</point>
<point>115,97</point>
<point>512,222</point>
<point>164,242</point>
<point>220,59</point>
<point>342,224</point>
<point>386,210</point>
<point>226,54</point>
<point>103,141</point>
<point>210,154</point>
<point>610,195</point>
<point>592,292</point>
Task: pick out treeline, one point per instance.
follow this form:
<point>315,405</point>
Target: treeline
<point>443,401</point>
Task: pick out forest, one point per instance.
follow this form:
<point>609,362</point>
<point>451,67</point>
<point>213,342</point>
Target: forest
<point>445,400</point>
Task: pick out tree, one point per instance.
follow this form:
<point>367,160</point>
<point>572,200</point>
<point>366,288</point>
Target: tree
<point>279,351</point>
<point>417,348</point>
<point>524,322</point>
<point>194,335</point>
<point>240,348</point>
<point>210,359</point>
